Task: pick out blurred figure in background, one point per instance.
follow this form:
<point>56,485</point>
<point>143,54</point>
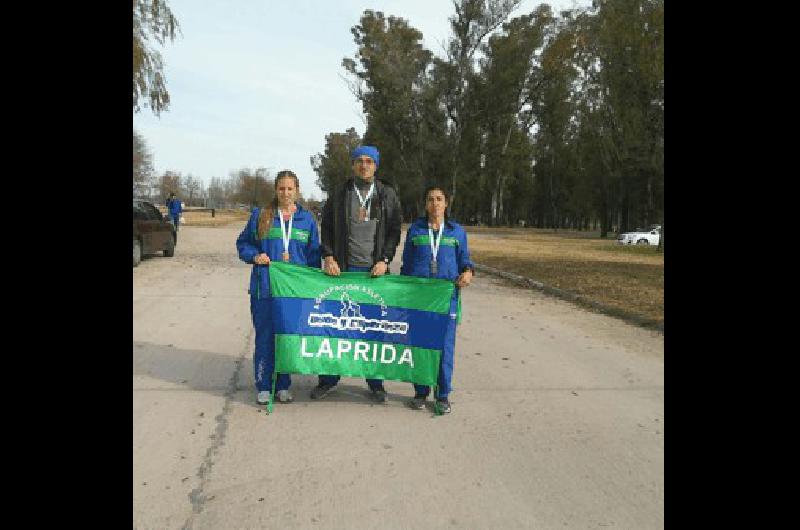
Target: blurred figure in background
<point>174,209</point>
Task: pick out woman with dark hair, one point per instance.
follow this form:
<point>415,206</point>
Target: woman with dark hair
<point>436,247</point>
<point>284,231</point>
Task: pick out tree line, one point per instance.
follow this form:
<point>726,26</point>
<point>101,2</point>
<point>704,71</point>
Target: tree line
<point>154,22</point>
<point>243,188</point>
<point>552,120</point>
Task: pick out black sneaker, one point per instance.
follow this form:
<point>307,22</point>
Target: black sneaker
<point>444,405</point>
<point>320,391</point>
<point>417,402</point>
<point>378,395</point>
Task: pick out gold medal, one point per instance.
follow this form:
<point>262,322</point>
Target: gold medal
<point>285,256</point>
<point>362,214</point>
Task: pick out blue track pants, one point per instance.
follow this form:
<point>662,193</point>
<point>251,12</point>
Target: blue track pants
<point>264,355</point>
<point>446,362</point>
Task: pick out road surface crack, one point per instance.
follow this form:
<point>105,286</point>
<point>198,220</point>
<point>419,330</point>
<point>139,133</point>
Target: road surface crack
<point>198,496</point>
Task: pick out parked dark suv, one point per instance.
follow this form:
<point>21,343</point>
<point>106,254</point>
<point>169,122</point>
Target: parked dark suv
<point>152,231</point>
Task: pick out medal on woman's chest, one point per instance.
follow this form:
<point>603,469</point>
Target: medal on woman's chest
<point>362,214</point>
<point>434,242</point>
<point>286,233</point>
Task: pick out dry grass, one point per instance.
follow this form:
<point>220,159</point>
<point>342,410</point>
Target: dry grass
<point>221,218</point>
<point>627,278</point>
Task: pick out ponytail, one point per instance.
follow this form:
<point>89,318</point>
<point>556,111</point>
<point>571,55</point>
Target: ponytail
<point>265,216</point>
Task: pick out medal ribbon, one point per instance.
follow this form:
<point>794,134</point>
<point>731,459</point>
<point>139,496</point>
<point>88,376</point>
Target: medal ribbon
<point>365,202</point>
<point>435,242</point>
<point>285,234</point>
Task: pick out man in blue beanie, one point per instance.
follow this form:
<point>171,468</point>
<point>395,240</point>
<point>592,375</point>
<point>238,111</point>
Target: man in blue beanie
<point>360,232</point>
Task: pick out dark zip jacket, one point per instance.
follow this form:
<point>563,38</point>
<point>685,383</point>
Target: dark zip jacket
<point>384,207</point>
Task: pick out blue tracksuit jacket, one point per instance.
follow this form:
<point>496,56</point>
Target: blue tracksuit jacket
<point>303,247</point>
<point>452,259</point>
<point>303,250</point>
<point>453,255</point>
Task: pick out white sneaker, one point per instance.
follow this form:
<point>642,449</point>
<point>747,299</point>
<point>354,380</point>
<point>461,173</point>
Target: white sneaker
<point>263,397</point>
<point>284,396</point>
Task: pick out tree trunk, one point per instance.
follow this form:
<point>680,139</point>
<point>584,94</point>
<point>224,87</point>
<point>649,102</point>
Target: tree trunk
<point>454,160</point>
<point>500,183</point>
<point>500,198</point>
<point>493,219</point>
<point>660,247</point>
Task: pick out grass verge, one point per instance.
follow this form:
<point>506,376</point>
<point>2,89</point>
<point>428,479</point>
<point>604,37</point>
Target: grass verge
<point>221,218</point>
<point>628,280</point>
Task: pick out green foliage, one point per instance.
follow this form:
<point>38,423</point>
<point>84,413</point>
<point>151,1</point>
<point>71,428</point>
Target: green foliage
<point>152,21</point>
<point>473,21</point>
<point>626,41</point>
<point>389,75</point>
<point>510,83</point>
<point>333,167</point>
<point>555,120</point>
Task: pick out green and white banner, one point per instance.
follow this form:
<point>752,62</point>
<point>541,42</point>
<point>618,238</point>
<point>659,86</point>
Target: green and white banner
<point>389,327</point>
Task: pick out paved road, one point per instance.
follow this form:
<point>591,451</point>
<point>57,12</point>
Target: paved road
<point>557,422</point>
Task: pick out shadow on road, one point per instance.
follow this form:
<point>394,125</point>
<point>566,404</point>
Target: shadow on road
<point>212,373</point>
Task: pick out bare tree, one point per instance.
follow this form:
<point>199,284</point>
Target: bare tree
<point>192,186</point>
<point>142,166</point>
<point>169,182</point>
<point>216,193</point>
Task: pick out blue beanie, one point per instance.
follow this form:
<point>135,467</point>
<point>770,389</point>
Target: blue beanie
<point>369,150</point>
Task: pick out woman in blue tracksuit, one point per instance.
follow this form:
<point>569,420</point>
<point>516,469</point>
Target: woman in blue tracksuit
<point>284,231</point>
<point>437,248</point>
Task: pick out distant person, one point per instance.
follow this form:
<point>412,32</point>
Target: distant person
<point>436,247</point>
<point>175,208</point>
<point>284,231</point>
<point>360,233</point>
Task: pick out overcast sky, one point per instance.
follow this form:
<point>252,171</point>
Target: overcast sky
<point>259,83</point>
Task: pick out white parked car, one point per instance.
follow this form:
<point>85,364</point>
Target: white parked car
<point>641,237</point>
